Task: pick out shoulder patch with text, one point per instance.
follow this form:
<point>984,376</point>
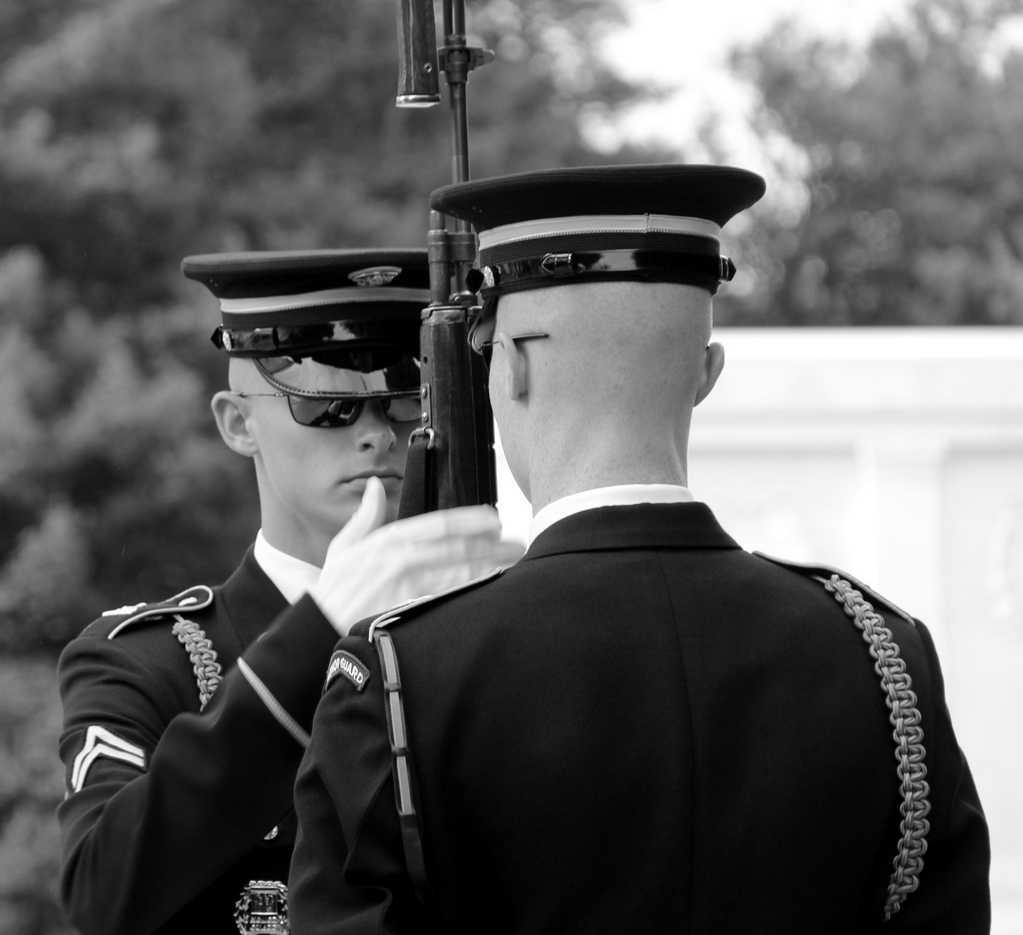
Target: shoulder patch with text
<point>344,663</point>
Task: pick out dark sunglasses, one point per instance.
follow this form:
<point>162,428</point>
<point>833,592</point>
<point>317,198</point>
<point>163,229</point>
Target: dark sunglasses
<point>329,412</point>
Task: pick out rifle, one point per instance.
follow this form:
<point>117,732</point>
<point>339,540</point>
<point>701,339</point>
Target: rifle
<point>451,456</point>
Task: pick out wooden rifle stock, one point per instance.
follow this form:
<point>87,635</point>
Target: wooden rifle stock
<point>451,457</point>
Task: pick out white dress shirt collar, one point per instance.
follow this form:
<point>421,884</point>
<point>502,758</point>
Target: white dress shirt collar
<point>619,495</point>
<point>291,575</point>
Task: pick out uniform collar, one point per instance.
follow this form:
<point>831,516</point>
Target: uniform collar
<point>292,576</point>
<point>617,495</point>
<point>678,525</point>
<point>251,600</point>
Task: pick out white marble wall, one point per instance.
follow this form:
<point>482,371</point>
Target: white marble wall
<point>896,454</point>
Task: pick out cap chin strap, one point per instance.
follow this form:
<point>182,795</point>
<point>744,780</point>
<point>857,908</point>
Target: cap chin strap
<point>705,271</point>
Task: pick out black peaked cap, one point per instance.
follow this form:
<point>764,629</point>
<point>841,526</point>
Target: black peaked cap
<point>716,193</point>
<point>291,272</point>
<point>306,302</point>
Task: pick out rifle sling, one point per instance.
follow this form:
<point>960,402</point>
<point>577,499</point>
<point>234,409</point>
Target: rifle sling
<point>417,488</point>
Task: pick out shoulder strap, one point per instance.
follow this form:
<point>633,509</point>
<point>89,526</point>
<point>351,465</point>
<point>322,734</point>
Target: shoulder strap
<point>820,572</point>
<point>189,601</point>
<point>204,658</point>
<point>394,615</point>
<point>897,687</point>
<point>401,766</point>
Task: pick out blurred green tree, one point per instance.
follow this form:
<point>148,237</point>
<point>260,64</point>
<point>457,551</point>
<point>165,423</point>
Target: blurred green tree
<point>135,132</point>
<point>31,786</point>
<point>914,149</point>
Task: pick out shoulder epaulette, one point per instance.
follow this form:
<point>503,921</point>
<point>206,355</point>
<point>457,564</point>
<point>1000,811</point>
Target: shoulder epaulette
<point>187,602</point>
<point>825,573</point>
<point>395,614</point>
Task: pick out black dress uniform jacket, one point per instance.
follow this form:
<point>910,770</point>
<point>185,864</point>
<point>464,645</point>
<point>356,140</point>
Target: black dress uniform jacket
<point>166,841</point>
<point>638,728</point>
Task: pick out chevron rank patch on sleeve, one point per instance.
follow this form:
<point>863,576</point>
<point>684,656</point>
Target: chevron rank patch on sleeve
<point>344,663</point>
<point>101,742</point>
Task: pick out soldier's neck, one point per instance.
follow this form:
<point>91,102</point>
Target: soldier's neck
<point>605,468</point>
<point>307,543</point>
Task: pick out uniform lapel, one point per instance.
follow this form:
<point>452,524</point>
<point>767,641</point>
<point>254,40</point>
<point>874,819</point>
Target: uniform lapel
<point>251,599</point>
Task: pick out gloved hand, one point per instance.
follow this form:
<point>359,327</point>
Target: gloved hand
<point>370,567</point>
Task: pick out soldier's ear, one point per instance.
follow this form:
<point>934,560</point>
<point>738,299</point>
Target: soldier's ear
<point>713,364</point>
<point>515,375</point>
<point>231,413</point>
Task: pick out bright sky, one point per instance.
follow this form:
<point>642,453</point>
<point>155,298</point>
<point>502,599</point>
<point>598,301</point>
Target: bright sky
<point>683,46</point>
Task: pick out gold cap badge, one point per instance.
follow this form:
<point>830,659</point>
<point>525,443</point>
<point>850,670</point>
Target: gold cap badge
<point>374,275</point>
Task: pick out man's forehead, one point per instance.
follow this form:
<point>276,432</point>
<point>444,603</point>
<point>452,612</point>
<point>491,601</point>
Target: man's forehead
<point>373,372</point>
<point>310,376</point>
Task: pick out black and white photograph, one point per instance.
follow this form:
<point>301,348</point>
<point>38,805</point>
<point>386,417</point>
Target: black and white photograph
<point>529,467</point>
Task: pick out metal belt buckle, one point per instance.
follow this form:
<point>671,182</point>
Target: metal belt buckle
<point>263,909</point>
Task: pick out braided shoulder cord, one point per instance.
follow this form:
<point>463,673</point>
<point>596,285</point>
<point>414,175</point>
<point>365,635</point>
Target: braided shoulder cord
<point>204,657</point>
<point>897,686</point>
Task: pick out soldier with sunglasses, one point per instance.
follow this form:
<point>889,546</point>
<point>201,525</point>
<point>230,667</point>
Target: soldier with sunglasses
<point>185,720</point>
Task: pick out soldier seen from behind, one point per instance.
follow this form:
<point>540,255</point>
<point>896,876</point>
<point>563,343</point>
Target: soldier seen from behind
<point>639,728</point>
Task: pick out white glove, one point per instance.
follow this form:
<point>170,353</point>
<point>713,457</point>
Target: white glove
<point>370,567</point>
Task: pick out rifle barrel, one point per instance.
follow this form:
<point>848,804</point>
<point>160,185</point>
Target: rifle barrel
<point>418,78</point>
<point>455,444</point>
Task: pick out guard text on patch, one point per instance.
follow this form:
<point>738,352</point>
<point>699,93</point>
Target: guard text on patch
<point>344,663</point>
